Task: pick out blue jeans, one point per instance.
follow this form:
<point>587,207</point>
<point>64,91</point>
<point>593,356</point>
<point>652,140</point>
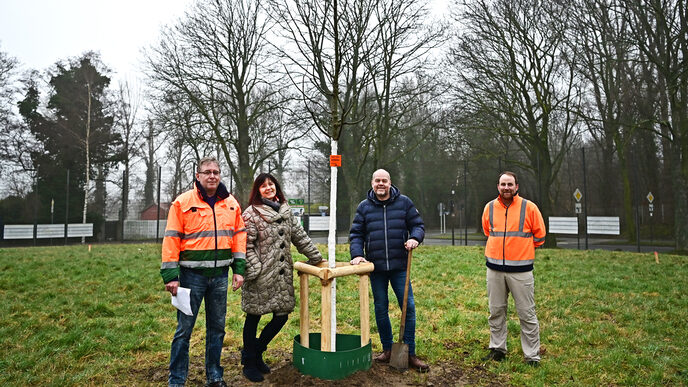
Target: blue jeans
<point>214,291</point>
<point>379,283</point>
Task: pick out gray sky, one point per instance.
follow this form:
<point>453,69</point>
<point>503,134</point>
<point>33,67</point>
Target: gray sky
<point>40,32</point>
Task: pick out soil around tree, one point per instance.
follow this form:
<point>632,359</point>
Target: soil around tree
<point>285,374</point>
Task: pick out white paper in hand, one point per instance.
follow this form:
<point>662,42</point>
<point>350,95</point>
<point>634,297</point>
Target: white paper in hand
<point>182,300</point>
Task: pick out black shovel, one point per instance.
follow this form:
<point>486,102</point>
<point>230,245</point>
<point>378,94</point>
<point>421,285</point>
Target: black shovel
<point>400,350</point>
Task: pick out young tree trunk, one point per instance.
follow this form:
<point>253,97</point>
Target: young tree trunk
<point>88,159</point>
<point>332,243</point>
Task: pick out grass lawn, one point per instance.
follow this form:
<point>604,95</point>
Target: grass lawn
<point>71,317</point>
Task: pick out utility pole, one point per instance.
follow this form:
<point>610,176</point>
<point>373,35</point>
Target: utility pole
<point>66,210</point>
<point>585,202</point>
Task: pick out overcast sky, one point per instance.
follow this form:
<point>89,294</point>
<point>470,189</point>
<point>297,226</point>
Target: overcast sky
<point>40,32</point>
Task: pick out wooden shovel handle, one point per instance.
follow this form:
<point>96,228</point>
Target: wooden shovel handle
<point>406,291</point>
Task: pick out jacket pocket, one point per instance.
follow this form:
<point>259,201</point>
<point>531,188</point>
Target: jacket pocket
<point>225,219</point>
<point>197,219</point>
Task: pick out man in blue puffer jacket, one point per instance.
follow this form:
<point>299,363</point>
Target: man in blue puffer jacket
<point>386,225</point>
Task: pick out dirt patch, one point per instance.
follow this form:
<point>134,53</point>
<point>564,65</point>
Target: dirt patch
<point>285,374</point>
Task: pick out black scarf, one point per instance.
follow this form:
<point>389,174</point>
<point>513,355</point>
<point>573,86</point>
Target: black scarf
<point>273,204</point>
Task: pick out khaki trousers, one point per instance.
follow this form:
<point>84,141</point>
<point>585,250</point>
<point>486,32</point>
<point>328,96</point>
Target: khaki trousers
<point>522,288</point>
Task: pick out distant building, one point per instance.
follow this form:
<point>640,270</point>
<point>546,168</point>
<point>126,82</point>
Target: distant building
<point>149,212</point>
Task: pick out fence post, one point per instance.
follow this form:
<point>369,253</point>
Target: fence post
<point>35,210</point>
<point>66,210</point>
<point>465,202</point>
<point>585,201</point>
<point>157,220</point>
<point>125,199</point>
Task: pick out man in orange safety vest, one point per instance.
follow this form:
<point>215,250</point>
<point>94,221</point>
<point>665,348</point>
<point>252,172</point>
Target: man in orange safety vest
<point>514,228</point>
<point>204,237</point>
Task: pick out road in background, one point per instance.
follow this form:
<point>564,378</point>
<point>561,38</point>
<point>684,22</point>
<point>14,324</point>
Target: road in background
<point>434,238</point>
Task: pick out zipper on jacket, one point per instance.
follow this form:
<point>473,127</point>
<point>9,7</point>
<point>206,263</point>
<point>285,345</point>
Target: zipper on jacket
<point>506,226</point>
<point>215,225</point>
<point>384,215</point>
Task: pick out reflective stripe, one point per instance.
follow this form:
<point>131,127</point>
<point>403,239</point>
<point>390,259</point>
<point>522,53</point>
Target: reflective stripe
<point>201,234</point>
<point>492,215</point>
<point>174,234</point>
<point>522,220</point>
<point>539,239</point>
<point>207,234</point>
<point>238,255</point>
<point>515,234</point>
<point>205,264</point>
<point>240,230</point>
<point>508,262</point>
<point>169,265</point>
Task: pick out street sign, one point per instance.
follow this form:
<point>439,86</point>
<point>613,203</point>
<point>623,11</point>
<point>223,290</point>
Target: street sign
<point>650,198</point>
<point>335,160</point>
<point>577,195</point>
<point>579,208</point>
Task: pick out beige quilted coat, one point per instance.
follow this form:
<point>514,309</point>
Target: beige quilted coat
<point>268,282</point>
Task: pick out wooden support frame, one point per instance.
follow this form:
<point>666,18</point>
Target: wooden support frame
<point>326,275</point>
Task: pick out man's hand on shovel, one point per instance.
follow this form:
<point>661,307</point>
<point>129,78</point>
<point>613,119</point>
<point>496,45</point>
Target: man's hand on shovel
<point>411,244</point>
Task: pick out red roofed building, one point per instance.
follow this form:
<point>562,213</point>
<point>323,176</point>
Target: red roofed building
<point>149,212</point>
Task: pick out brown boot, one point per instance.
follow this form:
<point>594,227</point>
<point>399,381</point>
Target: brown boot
<point>384,356</point>
<point>417,364</point>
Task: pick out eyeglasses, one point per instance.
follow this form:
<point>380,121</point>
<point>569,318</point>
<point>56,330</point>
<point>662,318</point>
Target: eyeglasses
<point>208,173</point>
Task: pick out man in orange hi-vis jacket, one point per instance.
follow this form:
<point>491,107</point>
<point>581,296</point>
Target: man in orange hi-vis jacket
<point>204,237</point>
<point>514,228</point>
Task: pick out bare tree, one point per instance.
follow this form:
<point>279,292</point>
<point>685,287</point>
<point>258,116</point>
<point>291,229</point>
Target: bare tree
<point>660,27</point>
<point>399,56</point>
<point>326,47</point>
<point>150,159</point>
<point>16,141</point>
<point>606,59</point>
<point>511,71</point>
<point>216,57</point>
<point>127,103</point>
<point>396,63</point>
<point>185,133</point>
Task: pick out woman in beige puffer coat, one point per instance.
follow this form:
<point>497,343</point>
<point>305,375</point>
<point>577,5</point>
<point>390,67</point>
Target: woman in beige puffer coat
<point>268,287</point>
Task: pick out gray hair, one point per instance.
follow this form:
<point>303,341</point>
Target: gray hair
<point>206,160</point>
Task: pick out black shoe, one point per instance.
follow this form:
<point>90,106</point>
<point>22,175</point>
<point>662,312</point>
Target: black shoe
<point>260,350</point>
<point>252,374</point>
<point>533,363</point>
<point>495,355</point>
<point>248,359</point>
<point>221,383</point>
<point>260,364</point>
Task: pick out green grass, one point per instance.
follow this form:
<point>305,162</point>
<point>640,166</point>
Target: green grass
<point>71,317</point>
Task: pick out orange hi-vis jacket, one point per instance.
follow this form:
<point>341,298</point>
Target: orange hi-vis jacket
<point>202,237</point>
<point>512,233</point>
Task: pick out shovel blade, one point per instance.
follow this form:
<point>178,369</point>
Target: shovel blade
<point>399,357</point>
